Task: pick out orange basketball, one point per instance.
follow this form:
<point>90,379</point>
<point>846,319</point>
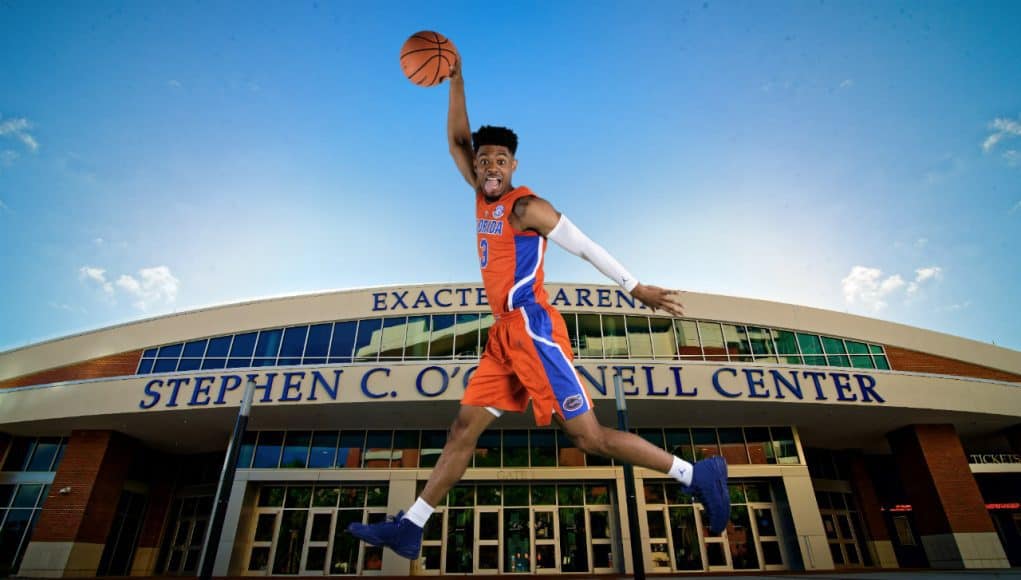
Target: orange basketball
<point>426,58</point>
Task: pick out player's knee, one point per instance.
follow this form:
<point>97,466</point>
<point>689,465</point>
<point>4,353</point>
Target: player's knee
<point>590,443</point>
<point>459,429</point>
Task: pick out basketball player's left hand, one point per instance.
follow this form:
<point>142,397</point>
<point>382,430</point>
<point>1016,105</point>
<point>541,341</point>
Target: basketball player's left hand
<point>658,298</point>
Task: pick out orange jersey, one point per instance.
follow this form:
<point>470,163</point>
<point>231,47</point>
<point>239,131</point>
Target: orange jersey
<point>511,261</point>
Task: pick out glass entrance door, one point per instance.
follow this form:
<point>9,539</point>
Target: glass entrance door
<point>487,548</point>
<point>600,526</point>
<point>717,548</point>
<point>544,538</point>
<point>317,541</point>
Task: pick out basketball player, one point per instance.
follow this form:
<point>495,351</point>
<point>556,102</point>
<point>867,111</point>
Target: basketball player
<point>528,354</point>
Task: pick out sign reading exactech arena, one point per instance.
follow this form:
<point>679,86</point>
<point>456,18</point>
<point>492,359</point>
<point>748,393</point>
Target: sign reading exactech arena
<point>410,382</point>
<point>398,300</point>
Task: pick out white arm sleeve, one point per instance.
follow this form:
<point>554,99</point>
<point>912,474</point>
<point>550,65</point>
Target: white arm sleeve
<point>569,237</point>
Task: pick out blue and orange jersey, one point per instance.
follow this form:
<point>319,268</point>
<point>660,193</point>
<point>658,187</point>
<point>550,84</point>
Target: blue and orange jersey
<point>511,261</point>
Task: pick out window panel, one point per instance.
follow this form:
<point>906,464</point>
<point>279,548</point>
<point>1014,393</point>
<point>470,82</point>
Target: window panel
<point>392,342</point>
<point>150,353</point>
<point>241,350</point>
<point>571,322</point>
<point>732,445</point>
<point>145,366</point>
<point>349,451</point>
<point>405,449</point>
<point>639,338</point>
<point>18,453</point>
<point>567,454</point>
<point>614,336</point>
<point>544,451</point>
<point>678,442</point>
<point>466,344</point>
<point>370,331</point>
<point>343,341</point>
<point>862,362</point>
<point>810,347</point>
<point>296,449</point>
<point>881,362</point>
<point>705,443</point>
<point>761,340</point>
<point>876,349</point>
<point>712,340</point>
<point>171,351</point>
<point>856,347</point>
<point>590,337</point>
<point>195,349</point>
<point>318,343</point>
<point>759,449</point>
<point>165,365</point>
<point>293,345</point>
<point>836,355</point>
<point>441,342</point>
<point>45,451</point>
<point>663,343</point>
<point>737,343</point>
<point>515,448</point>
<point>487,450</point>
<point>189,364</point>
<point>267,452</point>
<point>324,449</point>
<point>686,334</point>
<point>218,347</point>
<point>787,346</point>
<point>416,345</point>
<point>247,449</point>
<point>432,445</point>
<point>378,449</point>
<point>783,442</point>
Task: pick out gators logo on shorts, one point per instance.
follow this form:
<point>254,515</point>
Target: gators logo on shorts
<point>573,403</point>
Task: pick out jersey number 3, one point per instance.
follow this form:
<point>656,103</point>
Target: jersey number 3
<point>484,246</point>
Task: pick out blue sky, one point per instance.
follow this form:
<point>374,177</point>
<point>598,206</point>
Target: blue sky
<point>856,156</point>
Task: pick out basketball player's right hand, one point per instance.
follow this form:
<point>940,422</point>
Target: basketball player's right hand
<point>455,69</point>
<point>658,298</point>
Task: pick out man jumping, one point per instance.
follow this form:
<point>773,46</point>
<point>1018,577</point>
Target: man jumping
<point>528,355</point>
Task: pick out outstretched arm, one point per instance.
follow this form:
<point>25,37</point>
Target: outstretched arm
<point>459,133</point>
<point>537,214</point>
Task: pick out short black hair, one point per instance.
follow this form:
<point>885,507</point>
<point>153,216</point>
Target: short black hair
<point>489,135</point>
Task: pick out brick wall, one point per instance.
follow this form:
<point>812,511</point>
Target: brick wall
<point>902,359</point>
<point>115,365</point>
<point>868,499</point>
<point>94,466</point>
<point>944,494</point>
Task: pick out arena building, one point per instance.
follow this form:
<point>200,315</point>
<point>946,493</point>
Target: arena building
<point>852,442</point>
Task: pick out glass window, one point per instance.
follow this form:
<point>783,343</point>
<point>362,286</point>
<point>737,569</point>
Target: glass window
<point>486,321</point>
<point>349,451</point>
<point>195,349</point>
<point>170,351</point>
<point>241,350</point>
<point>663,343</point>
<point>487,450</point>
<point>590,338</point>
<point>432,446</point>
<point>150,353</point>
<point>876,349</point>
<point>441,343</point>
<point>860,357</point>
<point>392,343</point>
<point>167,358</point>
<point>614,336</point>
<point>370,330</point>
<point>571,322</point>
<point>247,449</point>
<point>787,346</point>
<point>45,451</point>
<point>268,344</point>
<point>544,449</point>
<point>881,362</point>
<point>416,346</point>
<point>737,343</point>
<point>567,454</point>
<point>405,449</point>
<point>189,364</point>
<point>712,340</point>
<point>267,452</point>
<point>783,443</point>
<point>27,496</point>
<point>145,366</point>
<point>293,345</point>
<point>318,343</point>
<point>343,342</point>
<point>515,448</point>
<point>216,353</point>
<point>323,450</point>
<point>705,443</point>
<point>686,333</point>
<point>811,346</point>
<point>760,451</point>
<point>17,456</point>
<point>467,342</point>
<point>296,449</point>
<point>835,353</point>
<point>761,340</point>
<point>639,338</point>
<point>732,445</point>
<point>654,436</point>
<point>678,442</point>
<point>378,449</point>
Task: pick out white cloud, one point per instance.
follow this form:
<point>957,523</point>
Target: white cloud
<point>922,275</point>
<point>867,286</point>
<point>153,285</point>
<point>956,307</point>
<point>847,83</point>
<point>921,243</point>
<point>18,128</point>
<point>1012,157</point>
<point>98,241</point>
<point>8,157</point>
<point>96,275</point>
<point>1002,128</point>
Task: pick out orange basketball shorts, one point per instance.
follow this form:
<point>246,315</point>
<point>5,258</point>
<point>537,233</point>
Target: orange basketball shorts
<point>528,356</point>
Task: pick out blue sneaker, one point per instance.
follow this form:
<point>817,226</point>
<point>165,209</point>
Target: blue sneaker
<point>709,485</point>
<point>398,534</point>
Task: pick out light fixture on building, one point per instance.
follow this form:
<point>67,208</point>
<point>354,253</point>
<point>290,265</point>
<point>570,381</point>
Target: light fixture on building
<point>65,490</point>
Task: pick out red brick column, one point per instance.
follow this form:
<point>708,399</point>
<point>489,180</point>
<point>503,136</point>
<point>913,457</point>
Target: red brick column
<point>878,542</point>
<point>949,511</point>
<point>73,527</point>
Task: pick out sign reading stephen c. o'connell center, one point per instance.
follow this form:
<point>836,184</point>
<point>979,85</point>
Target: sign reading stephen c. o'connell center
<point>356,383</point>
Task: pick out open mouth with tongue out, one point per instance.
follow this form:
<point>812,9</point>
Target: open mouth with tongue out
<point>492,184</point>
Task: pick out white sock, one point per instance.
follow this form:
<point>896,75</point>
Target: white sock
<point>681,470</point>
<point>419,513</point>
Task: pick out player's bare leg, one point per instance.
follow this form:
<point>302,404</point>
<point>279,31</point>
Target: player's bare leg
<point>403,533</point>
<point>457,452</point>
<point>707,479</point>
